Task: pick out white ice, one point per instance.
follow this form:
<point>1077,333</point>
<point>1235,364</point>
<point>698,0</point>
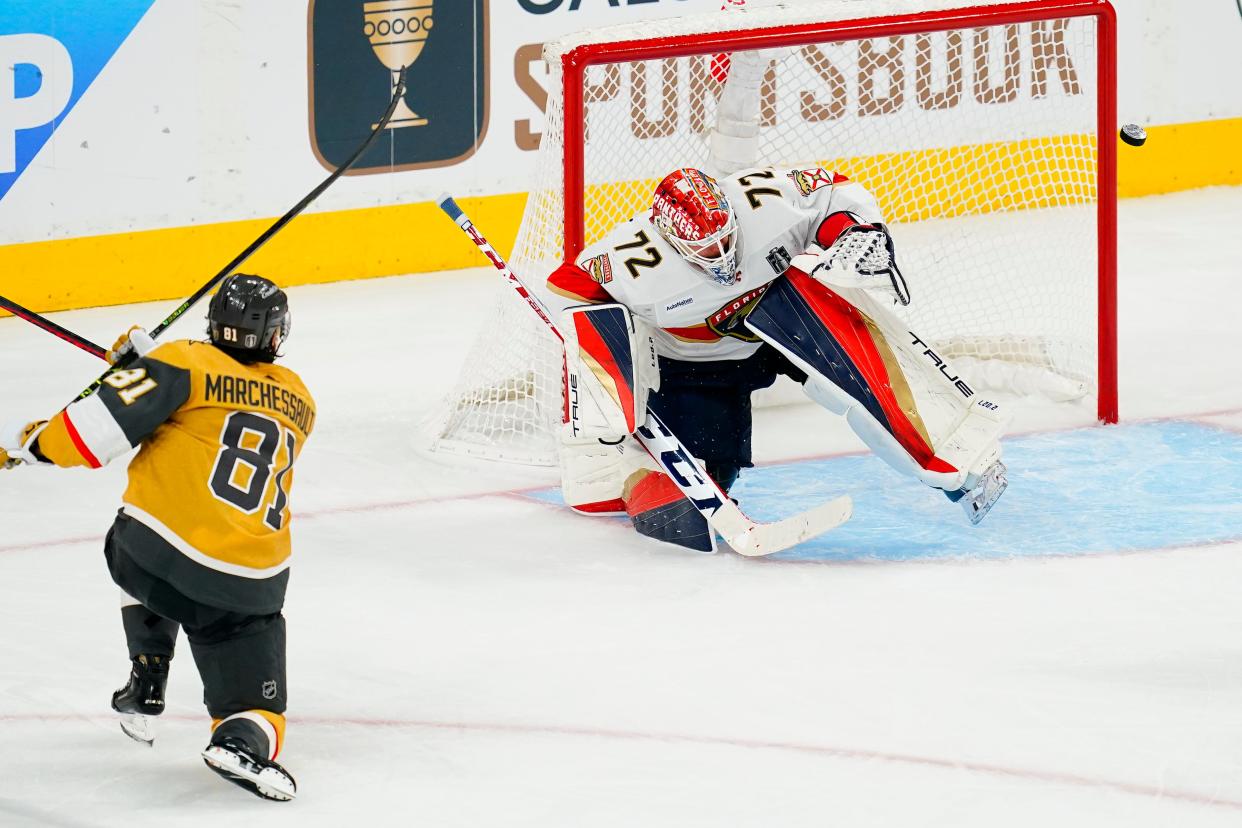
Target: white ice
<point>461,656</point>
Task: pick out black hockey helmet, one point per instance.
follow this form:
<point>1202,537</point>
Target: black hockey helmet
<point>249,318</point>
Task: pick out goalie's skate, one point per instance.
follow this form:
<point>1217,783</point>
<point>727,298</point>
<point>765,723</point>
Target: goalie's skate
<point>979,499</point>
<point>142,698</point>
<point>262,777</point>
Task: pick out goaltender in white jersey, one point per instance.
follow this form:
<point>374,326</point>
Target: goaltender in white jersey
<point>778,215</point>
<point>724,285</point>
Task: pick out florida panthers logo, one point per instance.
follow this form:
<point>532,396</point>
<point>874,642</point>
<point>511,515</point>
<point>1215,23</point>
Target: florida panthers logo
<point>599,268</point>
<point>728,320</point>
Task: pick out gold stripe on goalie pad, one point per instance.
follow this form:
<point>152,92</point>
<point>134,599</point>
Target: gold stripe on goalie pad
<point>605,379</point>
<point>897,380</point>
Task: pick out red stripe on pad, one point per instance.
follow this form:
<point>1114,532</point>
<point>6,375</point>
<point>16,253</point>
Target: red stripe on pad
<point>848,327</point>
<point>600,507</point>
<point>590,341</point>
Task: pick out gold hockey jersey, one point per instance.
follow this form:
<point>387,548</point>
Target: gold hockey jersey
<point>211,482</point>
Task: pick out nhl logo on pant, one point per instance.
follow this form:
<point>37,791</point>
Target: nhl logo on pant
<point>357,49</point>
<point>269,689</point>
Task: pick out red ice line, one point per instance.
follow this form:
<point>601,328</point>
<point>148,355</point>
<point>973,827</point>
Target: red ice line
<point>1200,418</point>
<point>853,754</point>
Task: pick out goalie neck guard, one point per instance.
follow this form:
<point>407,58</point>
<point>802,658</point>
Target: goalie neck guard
<point>249,318</point>
<point>695,217</point>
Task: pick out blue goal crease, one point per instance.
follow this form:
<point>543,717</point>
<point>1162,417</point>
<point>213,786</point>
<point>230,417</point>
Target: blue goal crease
<point>1085,492</point>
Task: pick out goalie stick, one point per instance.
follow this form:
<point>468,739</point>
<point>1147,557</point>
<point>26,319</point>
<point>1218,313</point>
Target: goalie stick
<point>264,237</point>
<point>744,536</point>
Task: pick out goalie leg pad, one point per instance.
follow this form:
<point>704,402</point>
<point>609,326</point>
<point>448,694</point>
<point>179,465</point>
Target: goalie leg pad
<point>593,474</point>
<point>897,396</point>
<point>610,367</point>
<point>659,510</point>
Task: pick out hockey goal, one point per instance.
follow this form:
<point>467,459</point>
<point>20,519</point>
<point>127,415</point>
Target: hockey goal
<point>985,130</point>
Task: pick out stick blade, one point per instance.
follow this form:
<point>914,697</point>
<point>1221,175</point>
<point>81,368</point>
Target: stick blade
<point>761,539</point>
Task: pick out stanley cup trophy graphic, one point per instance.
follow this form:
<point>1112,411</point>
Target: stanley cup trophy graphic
<point>397,30</point>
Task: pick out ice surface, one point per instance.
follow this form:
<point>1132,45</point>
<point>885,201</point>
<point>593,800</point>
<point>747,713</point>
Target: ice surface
<point>464,654</point>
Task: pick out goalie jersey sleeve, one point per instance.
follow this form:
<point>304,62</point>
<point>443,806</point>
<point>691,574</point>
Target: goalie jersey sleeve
<point>802,206</point>
<point>210,485</point>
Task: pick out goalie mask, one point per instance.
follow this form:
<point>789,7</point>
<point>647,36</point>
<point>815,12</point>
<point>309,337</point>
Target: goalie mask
<point>249,318</point>
<point>694,216</point>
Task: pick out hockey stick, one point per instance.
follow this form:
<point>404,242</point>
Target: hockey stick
<point>52,328</point>
<point>266,235</point>
<point>745,536</point>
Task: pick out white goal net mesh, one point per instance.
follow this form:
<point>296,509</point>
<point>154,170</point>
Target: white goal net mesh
<point>979,144</point>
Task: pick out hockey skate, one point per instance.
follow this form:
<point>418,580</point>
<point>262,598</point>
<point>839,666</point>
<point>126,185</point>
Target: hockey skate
<point>142,698</point>
<point>980,495</point>
<point>235,761</point>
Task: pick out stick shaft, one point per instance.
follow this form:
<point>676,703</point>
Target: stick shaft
<point>52,328</point>
<point>267,234</point>
<point>449,206</point>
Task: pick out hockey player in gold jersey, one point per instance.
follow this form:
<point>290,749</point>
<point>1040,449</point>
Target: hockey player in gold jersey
<point>202,539</point>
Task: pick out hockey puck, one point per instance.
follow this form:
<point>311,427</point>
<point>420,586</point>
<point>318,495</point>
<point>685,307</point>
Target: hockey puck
<point>1134,135</point>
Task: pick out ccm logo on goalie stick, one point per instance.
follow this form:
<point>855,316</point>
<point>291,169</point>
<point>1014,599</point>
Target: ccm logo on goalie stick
<point>673,457</point>
<point>957,381</point>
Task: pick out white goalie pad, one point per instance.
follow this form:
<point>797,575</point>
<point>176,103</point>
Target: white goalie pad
<point>905,401</point>
<point>593,474</point>
<point>610,369</point>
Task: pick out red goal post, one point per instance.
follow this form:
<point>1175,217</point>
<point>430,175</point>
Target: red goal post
<point>1005,168</point>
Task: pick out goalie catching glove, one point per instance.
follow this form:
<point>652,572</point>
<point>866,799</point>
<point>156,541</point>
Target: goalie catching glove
<point>860,256</point>
<point>610,370</point>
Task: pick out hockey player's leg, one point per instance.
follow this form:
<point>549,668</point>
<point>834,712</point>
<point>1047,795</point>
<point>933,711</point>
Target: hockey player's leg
<point>150,638</point>
<point>897,394</point>
<point>242,663</point>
